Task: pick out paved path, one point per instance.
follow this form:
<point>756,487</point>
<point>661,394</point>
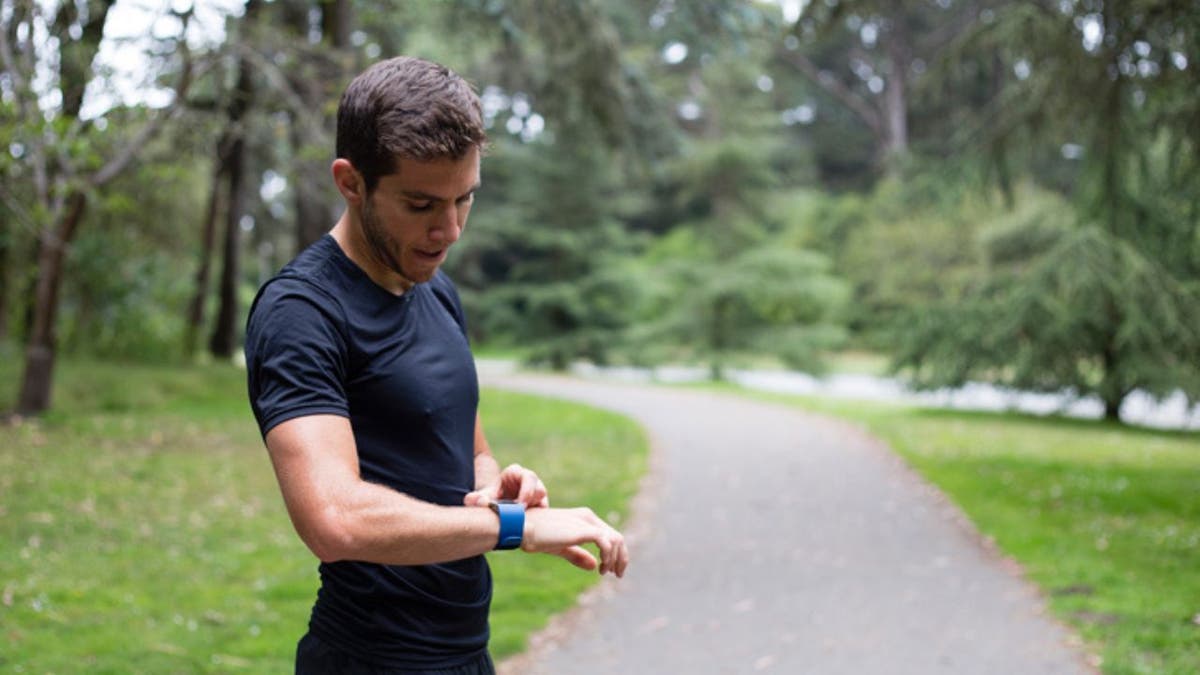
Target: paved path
<point>769,540</point>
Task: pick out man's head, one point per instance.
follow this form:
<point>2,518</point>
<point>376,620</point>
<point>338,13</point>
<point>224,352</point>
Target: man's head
<point>407,108</point>
<point>409,137</point>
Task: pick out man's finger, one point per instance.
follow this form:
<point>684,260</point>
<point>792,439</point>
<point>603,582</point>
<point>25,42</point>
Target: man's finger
<point>532,491</point>
<point>478,498</point>
<point>579,557</point>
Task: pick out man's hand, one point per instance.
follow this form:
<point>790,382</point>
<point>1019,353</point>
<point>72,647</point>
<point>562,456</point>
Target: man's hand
<point>561,531</point>
<point>514,483</point>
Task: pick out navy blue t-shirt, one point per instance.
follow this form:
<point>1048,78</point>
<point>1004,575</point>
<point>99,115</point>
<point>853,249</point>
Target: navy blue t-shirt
<point>323,338</point>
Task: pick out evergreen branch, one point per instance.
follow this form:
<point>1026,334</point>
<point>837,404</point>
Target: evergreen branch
<point>835,88</point>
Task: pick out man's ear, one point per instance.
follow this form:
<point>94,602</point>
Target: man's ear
<point>349,181</point>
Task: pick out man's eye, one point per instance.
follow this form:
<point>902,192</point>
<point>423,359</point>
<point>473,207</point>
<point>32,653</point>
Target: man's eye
<point>418,207</point>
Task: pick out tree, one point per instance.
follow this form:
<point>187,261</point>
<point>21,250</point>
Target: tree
<point>570,123</point>
<point>1112,304</point>
<point>316,72</point>
<point>67,155</point>
<point>233,168</point>
<point>1092,315</point>
<point>864,55</point>
<point>734,288</point>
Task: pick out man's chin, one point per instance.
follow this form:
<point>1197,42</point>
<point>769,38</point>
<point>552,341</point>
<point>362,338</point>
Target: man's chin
<point>419,277</point>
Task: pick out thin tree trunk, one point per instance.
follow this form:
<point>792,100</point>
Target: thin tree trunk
<point>40,351</point>
<point>1112,410</point>
<point>224,332</point>
<point>195,317</point>
<point>224,336</point>
<point>895,108</point>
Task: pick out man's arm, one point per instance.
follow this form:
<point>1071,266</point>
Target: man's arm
<point>339,516</point>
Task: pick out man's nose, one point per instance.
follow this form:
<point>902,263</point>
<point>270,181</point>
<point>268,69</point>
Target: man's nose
<point>447,228</point>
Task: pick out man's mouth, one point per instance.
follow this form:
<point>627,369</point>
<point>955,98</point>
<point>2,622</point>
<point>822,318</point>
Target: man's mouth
<point>431,255</point>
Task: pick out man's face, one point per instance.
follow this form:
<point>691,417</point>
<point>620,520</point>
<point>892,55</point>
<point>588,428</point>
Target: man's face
<point>415,214</point>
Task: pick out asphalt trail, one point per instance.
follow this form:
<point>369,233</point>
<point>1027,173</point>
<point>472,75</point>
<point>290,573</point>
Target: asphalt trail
<point>770,540</point>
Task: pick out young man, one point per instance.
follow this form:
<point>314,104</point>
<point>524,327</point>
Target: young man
<point>363,385</point>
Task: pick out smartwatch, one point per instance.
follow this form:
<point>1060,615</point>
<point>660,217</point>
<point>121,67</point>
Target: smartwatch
<point>512,523</point>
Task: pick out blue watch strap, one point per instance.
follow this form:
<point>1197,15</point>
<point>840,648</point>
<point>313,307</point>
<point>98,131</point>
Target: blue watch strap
<point>512,524</point>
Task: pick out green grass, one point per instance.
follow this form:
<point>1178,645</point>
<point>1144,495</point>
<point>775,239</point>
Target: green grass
<point>141,528</point>
<point>1105,518</point>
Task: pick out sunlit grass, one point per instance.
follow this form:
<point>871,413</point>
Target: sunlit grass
<point>1105,518</point>
<point>142,529</point>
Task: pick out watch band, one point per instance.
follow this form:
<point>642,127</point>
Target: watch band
<point>512,523</point>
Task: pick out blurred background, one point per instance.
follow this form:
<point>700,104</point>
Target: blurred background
<point>963,190</point>
<point>999,199</point>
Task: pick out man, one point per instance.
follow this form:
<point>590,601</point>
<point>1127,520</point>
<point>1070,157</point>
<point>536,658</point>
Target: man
<point>363,385</point>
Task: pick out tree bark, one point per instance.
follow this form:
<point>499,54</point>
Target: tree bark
<point>40,350</point>
<point>221,344</point>
<point>895,99</point>
<point>75,62</point>
<point>195,316</point>
<point>1112,410</point>
<point>224,336</point>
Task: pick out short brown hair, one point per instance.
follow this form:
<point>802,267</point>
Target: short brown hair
<point>410,108</point>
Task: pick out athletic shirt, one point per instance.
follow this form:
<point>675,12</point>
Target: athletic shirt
<point>323,338</point>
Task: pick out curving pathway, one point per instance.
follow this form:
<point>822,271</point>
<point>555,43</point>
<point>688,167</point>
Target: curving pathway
<point>770,540</point>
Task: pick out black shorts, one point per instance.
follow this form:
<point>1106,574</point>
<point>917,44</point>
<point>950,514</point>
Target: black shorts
<point>314,657</point>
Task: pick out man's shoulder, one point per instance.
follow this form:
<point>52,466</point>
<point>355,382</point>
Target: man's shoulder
<point>311,278</point>
<point>315,264</point>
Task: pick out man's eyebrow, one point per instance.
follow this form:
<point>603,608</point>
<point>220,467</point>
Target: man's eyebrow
<point>427,197</point>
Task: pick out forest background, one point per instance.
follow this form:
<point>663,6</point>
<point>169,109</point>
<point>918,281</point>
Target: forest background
<point>977,190</point>
<point>981,190</point>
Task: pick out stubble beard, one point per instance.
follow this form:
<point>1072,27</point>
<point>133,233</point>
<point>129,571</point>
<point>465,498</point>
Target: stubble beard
<point>381,245</point>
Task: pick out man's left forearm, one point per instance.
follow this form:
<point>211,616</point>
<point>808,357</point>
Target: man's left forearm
<point>487,470</point>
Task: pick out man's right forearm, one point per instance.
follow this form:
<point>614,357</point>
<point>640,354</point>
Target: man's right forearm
<point>342,517</point>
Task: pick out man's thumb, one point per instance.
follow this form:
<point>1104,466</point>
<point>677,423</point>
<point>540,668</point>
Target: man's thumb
<point>476,498</point>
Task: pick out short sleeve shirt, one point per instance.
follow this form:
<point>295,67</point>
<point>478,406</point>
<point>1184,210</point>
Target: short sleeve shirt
<point>323,338</point>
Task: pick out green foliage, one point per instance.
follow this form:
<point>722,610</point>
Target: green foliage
<point>146,505</point>
<point>1092,315</point>
<point>765,301</point>
<point>539,263</point>
<point>125,295</point>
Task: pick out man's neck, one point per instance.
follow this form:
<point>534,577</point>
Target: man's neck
<point>348,235</point>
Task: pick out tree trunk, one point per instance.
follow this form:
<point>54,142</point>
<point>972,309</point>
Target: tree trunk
<point>1112,410</point>
<point>895,99</point>
<point>224,335</point>
<point>195,317</point>
<point>320,72</point>
<point>224,332</point>
<point>337,17</point>
<point>40,350</point>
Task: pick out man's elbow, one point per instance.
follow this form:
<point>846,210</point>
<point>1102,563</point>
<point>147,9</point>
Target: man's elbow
<point>329,539</point>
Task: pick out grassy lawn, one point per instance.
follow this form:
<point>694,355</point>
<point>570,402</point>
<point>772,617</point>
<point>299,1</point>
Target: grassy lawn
<point>1106,519</point>
<point>142,530</point>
